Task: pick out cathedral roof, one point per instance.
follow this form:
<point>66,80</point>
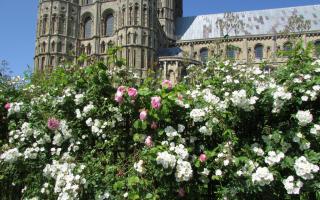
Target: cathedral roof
<point>258,22</point>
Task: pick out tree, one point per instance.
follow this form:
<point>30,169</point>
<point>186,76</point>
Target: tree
<point>297,24</point>
<point>230,22</point>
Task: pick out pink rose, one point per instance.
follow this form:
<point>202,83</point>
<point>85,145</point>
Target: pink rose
<point>143,115</point>
<point>121,89</point>
<point>148,142</point>
<point>53,124</point>
<point>154,125</point>
<point>119,97</point>
<point>132,92</point>
<point>156,102</point>
<point>181,192</point>
<point>7,106</point>
<point>202,157</point>
<point>167,84</point>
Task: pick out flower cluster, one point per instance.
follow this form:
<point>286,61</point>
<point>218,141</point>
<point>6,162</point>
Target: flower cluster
<point>240,100</point>
<point>14,107</point>
<point>10,155</point>
<point>291,186</point>
<point>273,157</point>
<point>262,176</point>
<point>166,160</point>
<point>304,117</point>
<point>139,167</point>
<point>184,171</point>
<point>304,168</point>
<point>197,115</point>
<point>67,183</point>
<point>280,96</point>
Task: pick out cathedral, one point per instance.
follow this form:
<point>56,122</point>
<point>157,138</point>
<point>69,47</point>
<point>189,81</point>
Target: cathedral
<point>154,34</point>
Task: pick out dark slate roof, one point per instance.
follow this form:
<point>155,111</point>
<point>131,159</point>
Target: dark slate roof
<point>174,51</point>
<point>258,22</point>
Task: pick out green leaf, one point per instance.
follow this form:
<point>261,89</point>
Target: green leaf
<point>144,92</point>
<point>149,196</point>
<point>133,180</point>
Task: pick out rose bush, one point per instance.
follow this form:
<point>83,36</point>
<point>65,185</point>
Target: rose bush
<point>228,131</point>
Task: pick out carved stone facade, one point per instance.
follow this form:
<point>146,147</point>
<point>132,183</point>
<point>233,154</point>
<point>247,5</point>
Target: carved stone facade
<point>154,35</point>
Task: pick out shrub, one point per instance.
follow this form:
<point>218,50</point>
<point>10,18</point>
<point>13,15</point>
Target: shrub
<point>229,132</point>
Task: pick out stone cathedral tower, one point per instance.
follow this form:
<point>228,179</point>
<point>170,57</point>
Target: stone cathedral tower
<point>69,28</point>
<point>168,12</point>
<point>57,32</point>
<point>153,34</point>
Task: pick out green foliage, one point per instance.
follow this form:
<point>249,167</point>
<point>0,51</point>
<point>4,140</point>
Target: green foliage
<point>206,140</point>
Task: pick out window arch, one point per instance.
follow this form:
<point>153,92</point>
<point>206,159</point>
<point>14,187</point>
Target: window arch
<point>144,15</point>
<point>87,28</point>
<point>287,46</point>
<point>82,49</point>
<point>231,53</point>
<point>103,47</point>
<point>54,24</point>
<point>53,46</point>
<point>62,23</point>
<point>317,48</point>
<point>44,45</point>
<point>258,51</point>
<point>204,54</point>
<point>136,14</point>
<point>59,47</point>
<point>88,1</point>
<point>43,62</point>
<point>109,24</point>
<point>89,49</point>
<point>44,24</point>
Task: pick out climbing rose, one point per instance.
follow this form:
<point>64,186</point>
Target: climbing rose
<point>143,115</point>
<point>118,97</point>
<point>7,106</point>
<point>132,92</point>
<point>121,89</point>
<point>202,157</point>
<point>53,124</point>
<point>154,125</point>
<point>167,84</point>
<point>148,142</point>
<point>156,102</point>
<point>181,192</point>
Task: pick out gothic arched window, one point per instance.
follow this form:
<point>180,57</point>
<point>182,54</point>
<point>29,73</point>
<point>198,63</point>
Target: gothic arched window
<point>54,23</point>
<point>62,23</point>
<point>43,62</point>
<point>258,51</point>
<point>71,26</point>
<point>59,47</point>
<point>44,24</point>
<point>231,53</point>
<point>103,47</point>
<point>87,31</point>
<point>88,1</point>
<point>123,18</point>
<point>287,46</point>
<point>44,45</point>
<point>53,46</point>
<point>204,54</point>
<point>136,14</point>
<point>109,23</point>
<point>89,49</point>
<point>144,16</point>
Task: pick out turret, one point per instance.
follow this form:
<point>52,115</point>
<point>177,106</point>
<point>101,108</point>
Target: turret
<point>168,12</point>
<point>57,31</point>
<point>137,34</point>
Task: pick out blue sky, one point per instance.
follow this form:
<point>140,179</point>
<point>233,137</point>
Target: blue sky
<point>18,21</point>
